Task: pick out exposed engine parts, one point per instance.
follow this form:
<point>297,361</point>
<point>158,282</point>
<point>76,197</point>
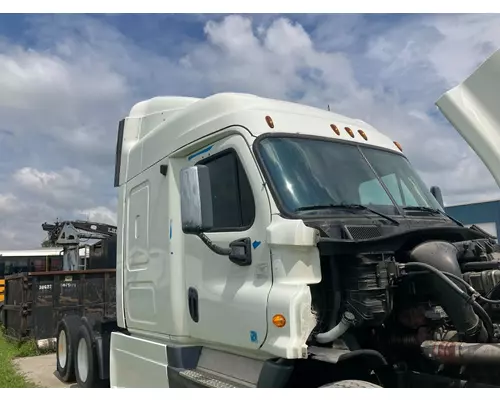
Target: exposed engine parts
<point>437,300</point>
<point>367,285</point>
<point>348,319</point>
<point>461,353</point>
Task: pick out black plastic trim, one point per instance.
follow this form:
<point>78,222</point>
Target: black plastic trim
<point>163,169</point>
<point>193,304</point>
<point>246,245</point>
<point>185,357</point>
<point>181,358</point>
<point>118,154</point>
<point>275,374</point>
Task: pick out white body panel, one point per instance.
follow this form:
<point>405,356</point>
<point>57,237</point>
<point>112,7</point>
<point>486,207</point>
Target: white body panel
<point>473,108</point>
<point>137,363</point>
<point>232,299</point>
<point>157,263</point>
<point>296,264</point>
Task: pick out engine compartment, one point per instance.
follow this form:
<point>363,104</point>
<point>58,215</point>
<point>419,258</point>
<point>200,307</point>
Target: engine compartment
<point>427,300</point>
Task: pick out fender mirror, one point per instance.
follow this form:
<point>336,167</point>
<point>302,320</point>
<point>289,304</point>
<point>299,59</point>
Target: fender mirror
<point>196,200</point>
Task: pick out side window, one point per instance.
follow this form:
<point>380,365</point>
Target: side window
<point>233,202</point>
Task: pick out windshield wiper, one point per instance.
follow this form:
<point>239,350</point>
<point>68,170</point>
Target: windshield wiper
<point>432,211</point>
<point>347,207</point>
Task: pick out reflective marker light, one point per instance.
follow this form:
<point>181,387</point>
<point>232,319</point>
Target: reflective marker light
<point>363,135</point>
<point>398,146</point>
<point>279,321</point>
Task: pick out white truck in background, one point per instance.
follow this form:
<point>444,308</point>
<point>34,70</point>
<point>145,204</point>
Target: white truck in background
<point>263,243</point>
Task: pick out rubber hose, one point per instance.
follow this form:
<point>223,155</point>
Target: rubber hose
<point>470,288</point>
<point>481,313</point>
<point>338,330</point>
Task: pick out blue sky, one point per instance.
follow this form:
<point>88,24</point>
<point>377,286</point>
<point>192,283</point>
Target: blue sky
<point>66,81</point>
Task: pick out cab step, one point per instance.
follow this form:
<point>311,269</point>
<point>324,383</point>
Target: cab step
<point>210,380</point>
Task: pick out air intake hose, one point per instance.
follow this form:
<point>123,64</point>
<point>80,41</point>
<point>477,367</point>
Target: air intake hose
<point>443,256</point>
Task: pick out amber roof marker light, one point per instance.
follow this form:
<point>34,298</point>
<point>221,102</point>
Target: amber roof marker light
<point>398,146</point>
<point>270,122</point>
<point>349,131</point>
<point>362,134</point>
<point>335,129</point>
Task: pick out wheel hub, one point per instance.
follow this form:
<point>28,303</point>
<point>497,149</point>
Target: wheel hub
<point>62,349</point>
<point>83,362</point>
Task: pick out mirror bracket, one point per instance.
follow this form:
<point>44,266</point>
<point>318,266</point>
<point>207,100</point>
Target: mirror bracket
<point>241,251</point>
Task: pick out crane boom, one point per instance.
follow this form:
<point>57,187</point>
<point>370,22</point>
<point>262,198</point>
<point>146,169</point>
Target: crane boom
<point>69,235</point>
<point>78,229</point>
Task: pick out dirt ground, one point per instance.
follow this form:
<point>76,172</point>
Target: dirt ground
<point>41,370</point>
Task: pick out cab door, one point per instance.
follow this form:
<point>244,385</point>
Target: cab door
<point>227,301</point>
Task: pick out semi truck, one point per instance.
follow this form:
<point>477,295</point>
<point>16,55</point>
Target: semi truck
<point>263,243</point>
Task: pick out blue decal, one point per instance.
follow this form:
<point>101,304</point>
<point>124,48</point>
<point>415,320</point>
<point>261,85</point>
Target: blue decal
<point>205,150</point>
<point>256,244</point>
<point>170,233</point>
<point>253,337</point>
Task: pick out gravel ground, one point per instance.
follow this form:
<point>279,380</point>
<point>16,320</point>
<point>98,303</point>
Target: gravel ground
<point>41,370</point>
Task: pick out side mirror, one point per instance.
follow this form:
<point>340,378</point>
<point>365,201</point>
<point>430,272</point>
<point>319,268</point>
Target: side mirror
<point>196,200</point>
<point>436,192</point>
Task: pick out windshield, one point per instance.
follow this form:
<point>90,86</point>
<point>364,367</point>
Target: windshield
<point>308,172</point>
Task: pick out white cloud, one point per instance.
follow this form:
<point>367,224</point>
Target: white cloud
<point>467,41</point>
<point>43,182</point>
<point>53,194</point>
<point>99,214</point>
<point>9,204</point>
<point>62,97</point>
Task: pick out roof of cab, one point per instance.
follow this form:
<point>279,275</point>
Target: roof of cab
<point>221,104</point>
<point>164,124</point>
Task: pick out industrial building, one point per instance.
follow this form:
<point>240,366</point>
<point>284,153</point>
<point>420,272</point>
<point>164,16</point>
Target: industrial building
<point>485,214</point>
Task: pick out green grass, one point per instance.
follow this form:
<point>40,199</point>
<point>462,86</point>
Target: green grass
<point>9,377</point>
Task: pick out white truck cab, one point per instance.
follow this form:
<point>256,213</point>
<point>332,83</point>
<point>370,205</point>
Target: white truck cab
<point>254,236</point>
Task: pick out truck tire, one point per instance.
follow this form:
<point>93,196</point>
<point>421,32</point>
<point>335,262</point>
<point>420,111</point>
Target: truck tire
<point>67,330</point>
<point>86,368</point>
<point>353,384</point>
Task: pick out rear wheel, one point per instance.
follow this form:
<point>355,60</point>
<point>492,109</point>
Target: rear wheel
<point>86,369</point>
<point>65,353</point>
<point>351,383</point>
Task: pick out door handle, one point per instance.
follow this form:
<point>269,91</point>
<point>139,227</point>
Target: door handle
<point>193,304</point>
